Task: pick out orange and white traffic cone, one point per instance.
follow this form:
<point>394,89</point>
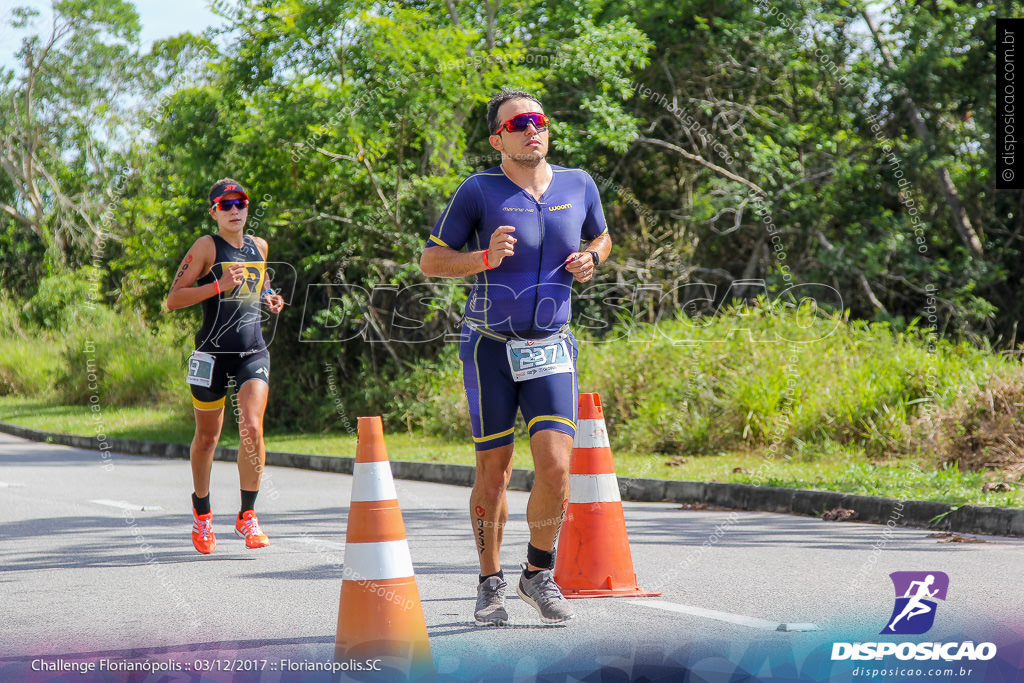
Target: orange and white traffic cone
<point>379,615</point>
<point>593,558</point>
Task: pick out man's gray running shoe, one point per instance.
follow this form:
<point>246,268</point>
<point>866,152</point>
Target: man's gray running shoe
<point>542,592</point>
<point>490,602</point>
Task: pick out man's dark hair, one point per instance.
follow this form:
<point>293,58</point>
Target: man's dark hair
<point>501,98</point>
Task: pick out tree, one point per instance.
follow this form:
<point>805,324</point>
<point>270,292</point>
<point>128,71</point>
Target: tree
<point>60,126</point>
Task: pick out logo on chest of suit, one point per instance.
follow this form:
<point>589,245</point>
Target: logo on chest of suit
<point>253,278</point>
<point>560,207</point>
<point>516,209</point>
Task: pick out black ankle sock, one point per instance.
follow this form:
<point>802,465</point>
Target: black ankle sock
<point>202,505</point>
<point>539,558</point>
<point>248,501</point>
<point>531,573</point>
<point>500,575</point>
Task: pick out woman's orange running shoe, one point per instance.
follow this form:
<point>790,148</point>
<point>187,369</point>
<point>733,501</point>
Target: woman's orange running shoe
<point>202,532</point>
<point>248,527</point>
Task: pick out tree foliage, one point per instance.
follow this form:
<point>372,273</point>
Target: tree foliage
<point>733,141</point>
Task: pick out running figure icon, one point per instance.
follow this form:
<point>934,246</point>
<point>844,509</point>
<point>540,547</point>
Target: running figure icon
<point>917,596</point>
<point>916,606</point>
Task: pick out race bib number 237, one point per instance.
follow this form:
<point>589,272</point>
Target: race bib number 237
<point>532,358</point>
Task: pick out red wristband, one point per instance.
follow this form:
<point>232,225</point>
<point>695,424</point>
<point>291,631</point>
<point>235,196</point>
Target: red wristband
<point>216,286</point>
<point>486,264</point>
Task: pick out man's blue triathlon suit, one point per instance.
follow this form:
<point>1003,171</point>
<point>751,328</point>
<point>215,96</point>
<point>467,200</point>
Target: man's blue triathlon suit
<point>526,297</point>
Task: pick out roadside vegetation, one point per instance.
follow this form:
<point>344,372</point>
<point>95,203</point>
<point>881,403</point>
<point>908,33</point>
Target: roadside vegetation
<point>760,394</point>
<point>733,143</point>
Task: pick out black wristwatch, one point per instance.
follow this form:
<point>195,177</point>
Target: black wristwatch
<point>597,259</point>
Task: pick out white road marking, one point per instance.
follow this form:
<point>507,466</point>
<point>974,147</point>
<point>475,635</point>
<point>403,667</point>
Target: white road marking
<point>316,541</point>
<point>122,505</point>
<point>10,485</point>
<point>741,620</point>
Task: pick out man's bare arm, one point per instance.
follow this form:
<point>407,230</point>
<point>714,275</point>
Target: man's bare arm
<point>602,244</point>
<point>441,261</point>
<point>446,262</point>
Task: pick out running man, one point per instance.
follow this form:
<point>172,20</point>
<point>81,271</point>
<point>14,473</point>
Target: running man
<point>522,224</point>
<point>914,606</point>
<point>226,272</point>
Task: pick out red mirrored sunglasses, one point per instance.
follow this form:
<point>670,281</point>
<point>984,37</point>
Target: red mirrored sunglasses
<point>226,205</point>
<point>520,122</point>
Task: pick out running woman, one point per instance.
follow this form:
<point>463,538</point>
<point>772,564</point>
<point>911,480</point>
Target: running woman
<point>521,224</point>
<point>226,273</point>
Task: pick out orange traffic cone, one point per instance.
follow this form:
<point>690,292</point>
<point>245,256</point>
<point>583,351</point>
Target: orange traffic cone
<point>379,615</point>
<point>593,558</point>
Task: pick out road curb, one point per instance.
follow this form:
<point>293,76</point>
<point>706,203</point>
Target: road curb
<point>994,521</point>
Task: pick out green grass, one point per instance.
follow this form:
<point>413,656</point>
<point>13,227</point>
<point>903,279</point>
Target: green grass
<point>839,470</point>
<point>707,389</point>
<point>779,396</point>
<point>802,382</point>
<point>172,426</point>
<point>25,367</point>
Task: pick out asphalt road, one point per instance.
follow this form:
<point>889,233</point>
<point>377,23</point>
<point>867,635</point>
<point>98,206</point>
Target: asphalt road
<point>96,565</point>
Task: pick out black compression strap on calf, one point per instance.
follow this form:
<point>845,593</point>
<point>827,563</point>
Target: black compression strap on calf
<point>202,505</point>
<point>545,559</point>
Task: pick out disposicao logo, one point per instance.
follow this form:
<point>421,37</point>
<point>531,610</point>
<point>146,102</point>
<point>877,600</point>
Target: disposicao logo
<point>916,595</point>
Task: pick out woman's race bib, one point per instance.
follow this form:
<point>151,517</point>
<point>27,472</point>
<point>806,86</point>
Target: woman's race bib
<point>200,369</point>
